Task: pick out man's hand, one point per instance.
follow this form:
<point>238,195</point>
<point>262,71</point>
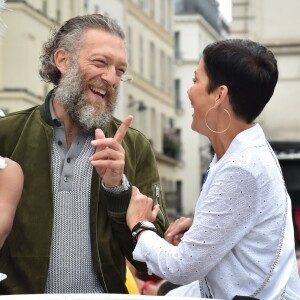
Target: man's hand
<point>140,209</point>
<point>176,230</point>
<point>109,158</point>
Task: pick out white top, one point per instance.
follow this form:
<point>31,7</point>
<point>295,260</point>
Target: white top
<point>239,226</point>
<point>2,163</point>
<point>2,276</point>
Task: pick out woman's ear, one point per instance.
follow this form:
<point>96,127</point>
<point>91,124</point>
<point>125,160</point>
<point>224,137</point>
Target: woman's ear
<point>61,60</point>
<point>221,94</point>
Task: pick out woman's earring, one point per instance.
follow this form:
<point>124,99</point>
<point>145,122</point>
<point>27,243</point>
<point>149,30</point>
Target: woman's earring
<point>214,131</point>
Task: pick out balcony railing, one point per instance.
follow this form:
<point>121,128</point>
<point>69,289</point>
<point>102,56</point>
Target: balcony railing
<point>172,144</point>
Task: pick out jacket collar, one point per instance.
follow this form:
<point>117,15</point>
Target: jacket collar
<point>45,109</point>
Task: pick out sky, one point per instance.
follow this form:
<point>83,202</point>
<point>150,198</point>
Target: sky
<point>225,9</point>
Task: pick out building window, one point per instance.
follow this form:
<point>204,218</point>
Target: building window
<point>85,6</point>
<point>167,12</point>
<point>97,9</point>
<point>146,7</point>
<point>177,87</point>
<point>153,125</point>
<point>172,143</point>
<point>58,16</point>
<point>58,12</point>
<point>45,8</point>
<point>162,13</point>
<point>171,123</point>
<point>169,16</point>
<point>141,54</point>
<point>129,46</point>
<point>46,89</point>
<point>131,105</point>
<point>152,6</point>
<point>177,45</point>
<point>162,69</point>
<point>168,75</point>
<point>152,62</point>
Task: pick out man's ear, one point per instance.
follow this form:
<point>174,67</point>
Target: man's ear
<point>62,60</point>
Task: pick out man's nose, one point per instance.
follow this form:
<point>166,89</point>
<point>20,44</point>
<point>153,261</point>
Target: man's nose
<point>110,76</point>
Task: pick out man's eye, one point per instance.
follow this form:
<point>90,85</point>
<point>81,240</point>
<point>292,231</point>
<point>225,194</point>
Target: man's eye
<point>194,80</point>
<point>120,72</point>
<point>100,62</point>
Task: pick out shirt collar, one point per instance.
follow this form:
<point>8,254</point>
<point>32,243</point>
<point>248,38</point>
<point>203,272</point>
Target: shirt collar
<point>57,122</point>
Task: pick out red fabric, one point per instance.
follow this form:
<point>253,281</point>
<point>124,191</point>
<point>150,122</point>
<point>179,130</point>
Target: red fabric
<point>146,285</point>
<point>296,219</point>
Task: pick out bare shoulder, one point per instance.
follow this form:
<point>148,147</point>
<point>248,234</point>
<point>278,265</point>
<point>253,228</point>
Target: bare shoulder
<point>10,170</point>
<point>11,186</point>
<point>10,164</point>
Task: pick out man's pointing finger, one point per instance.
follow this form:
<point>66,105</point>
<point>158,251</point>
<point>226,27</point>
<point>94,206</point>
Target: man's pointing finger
<point>122,130</point>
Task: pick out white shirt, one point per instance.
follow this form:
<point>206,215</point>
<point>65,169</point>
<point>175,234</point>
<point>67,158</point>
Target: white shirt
<point>237,229</point>
<point>2,163</point>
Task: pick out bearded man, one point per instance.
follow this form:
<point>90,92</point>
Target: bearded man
<point>79,162</point>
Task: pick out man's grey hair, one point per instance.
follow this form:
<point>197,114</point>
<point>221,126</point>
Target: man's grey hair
<point>69,37</point>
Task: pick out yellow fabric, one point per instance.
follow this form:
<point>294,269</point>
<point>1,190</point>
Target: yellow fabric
<point>131,283</point>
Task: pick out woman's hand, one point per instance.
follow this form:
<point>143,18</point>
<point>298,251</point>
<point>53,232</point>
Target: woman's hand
<point>140,209</point>
<point>176,230</point>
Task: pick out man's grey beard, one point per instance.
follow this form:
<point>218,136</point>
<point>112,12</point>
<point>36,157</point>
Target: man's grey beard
<point>85,116</point>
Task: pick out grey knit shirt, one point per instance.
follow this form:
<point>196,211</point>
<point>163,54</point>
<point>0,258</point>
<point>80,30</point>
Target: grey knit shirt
<point>71,269</point>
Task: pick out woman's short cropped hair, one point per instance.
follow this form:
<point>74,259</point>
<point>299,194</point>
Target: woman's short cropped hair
<point>247,68</point>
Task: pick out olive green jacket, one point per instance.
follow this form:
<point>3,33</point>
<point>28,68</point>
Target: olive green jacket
<point>26,137</point>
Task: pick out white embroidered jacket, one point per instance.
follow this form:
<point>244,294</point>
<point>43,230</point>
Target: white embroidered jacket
<point>241,241</point>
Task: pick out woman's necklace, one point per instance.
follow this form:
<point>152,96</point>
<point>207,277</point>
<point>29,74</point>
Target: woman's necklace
<point>282,232</point>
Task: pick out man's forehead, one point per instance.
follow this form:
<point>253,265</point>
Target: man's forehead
<point>101,33</point>
<point>100,42</point>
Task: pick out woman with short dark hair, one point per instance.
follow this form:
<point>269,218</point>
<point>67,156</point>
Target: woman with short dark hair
<point>240,241</point>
